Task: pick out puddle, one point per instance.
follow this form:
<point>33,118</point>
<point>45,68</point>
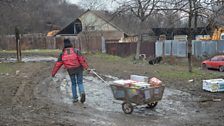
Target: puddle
<point>29,59</point>
<point>99,96</point>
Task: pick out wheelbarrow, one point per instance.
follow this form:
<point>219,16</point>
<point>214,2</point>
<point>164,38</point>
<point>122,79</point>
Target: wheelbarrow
<point>132,97</point>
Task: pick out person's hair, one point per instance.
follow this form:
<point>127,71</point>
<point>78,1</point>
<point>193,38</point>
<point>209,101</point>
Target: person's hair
<point>67,43</point>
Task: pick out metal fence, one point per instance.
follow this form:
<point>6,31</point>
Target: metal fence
<point>207,48</point>
<point>200,48</point>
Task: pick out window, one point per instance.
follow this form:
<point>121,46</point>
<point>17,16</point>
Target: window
<point>217,59</point>
<point>214,59</point>
<point>222,37</point>
<point>90,28</point>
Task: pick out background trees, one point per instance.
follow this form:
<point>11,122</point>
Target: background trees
<point>171,12</point>
<point>141,9</point>
<point>36,15</point>
<point>44,15</point>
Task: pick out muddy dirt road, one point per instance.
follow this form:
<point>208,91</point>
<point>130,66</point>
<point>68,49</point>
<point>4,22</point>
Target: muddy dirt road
<point>30,97</point>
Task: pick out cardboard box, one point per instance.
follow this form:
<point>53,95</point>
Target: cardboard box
<point>139,78</point>
<point>213,85</point>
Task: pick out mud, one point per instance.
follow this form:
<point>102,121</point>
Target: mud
<point>99,96</point>
<point>29,59</point>
<point>34,98</point>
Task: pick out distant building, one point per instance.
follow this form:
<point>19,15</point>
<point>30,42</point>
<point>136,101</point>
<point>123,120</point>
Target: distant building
<point>220,2</point>
<point>98,28</point>
<point>97,21</point>
<point>179,33</point>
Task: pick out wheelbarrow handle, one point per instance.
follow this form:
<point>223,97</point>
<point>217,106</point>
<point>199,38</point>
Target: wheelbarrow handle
<point>92,70</point>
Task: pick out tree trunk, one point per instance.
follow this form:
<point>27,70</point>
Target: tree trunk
<point>190,37</point>
<point>195,18</point>
<point>17,44</point>
<point>138,47</point>
<point>20,53</point>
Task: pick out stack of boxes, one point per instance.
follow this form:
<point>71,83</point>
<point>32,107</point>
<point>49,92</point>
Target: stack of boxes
<point>213,85</point>
<point>139,82</point>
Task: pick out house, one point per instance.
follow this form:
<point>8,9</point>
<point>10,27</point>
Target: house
<point>97,28</point>
<point>102,31</point>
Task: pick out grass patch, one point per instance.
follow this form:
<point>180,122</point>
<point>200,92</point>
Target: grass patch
<point>110,58</point>
<point>40,52</point>
<point>196,74</point>
<point>6,67</point>
<point>43,51</point>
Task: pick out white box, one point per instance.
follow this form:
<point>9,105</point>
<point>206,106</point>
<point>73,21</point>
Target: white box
<point>213,85</point>
<point>123,82</point>
<point>139,78</point>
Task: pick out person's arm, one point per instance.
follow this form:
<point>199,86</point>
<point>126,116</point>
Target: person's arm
<point>82,60</point>
<point>57,66</point>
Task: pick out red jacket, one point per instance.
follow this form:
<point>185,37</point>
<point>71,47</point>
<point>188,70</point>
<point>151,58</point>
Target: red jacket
<point>70,58</point>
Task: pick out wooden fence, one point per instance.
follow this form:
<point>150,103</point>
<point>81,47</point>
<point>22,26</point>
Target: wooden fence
<point>41,41</point>
<point>127,49</point>
<point>90,43</point>
<point>30,41</point>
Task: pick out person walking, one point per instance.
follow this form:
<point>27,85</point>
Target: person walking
<point>75,63</point>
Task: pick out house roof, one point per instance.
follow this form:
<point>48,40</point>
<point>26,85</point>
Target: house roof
<point>107,17</point>
<point>69,29</point>
<point>181,31</point>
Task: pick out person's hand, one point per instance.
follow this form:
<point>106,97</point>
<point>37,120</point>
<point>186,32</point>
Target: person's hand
<point>85,68</point>
<point>89,70</point>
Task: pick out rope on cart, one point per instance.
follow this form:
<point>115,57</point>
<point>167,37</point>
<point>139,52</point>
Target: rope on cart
<point>93,71</point>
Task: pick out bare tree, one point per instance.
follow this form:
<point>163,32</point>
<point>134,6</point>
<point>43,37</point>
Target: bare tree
<point>193,9</point>
<point>188,9</point>
<point>93,4</point>
<point>141,9</point>
<point>5,1</point>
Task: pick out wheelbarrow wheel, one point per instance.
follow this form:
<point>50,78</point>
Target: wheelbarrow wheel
<point>152,105</point>
<point>127,108</point>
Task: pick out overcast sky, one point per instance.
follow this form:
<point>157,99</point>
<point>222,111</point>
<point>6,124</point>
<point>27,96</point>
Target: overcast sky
<point>109,5</point>
<point>74,1</point>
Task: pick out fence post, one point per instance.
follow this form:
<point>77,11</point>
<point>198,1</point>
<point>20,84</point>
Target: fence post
<point>103,44</point>
<point>216,51</point>
<point>164,60</point>
<point>171,53</point>
<point>18,47</point>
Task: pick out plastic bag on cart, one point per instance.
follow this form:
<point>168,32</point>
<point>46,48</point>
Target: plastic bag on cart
<point>155,82</point>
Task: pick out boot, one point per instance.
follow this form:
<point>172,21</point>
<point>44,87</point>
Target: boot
<point>83,98</point>
<point>74,100</point>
